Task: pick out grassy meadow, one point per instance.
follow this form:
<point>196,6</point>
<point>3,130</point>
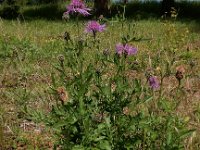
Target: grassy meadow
<point>30,52</point>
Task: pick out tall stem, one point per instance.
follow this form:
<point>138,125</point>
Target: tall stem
<point>77,24</point>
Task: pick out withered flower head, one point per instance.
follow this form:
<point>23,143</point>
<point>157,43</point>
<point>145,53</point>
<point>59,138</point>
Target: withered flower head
<point>63,95</point>
<point>61,58</point>
<point>180,70</point>
<point>126,111</point>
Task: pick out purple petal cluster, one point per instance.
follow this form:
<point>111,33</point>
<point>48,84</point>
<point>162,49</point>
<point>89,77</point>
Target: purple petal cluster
<point>153,82</point>
<point>125,49</point>
<point>77,7</point>
<point>94,26</point>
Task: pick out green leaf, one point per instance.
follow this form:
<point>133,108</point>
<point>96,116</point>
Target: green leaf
<point>166,105</point>
<point>60,124</point>
<point>78,147</point>
<point>107,120</point>
<point>105,145</point>
<point>147,99</point>
<point>186,133</point>
<point>169,138</point>
<point>99,138</point>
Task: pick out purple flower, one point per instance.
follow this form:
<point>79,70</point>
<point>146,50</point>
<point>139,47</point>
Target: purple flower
<point>153,82</point>
<point>94,27</point>
<point>120,49</point>
<point>130,50</point>
<point>125,49</point>
<point>77,6</point>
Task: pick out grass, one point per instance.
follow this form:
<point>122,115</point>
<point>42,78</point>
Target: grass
<point>29,51</point>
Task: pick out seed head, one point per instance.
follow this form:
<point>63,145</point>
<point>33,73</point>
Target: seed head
<point>61,58</point>
<point>63,95</point>
<point>180,70</point>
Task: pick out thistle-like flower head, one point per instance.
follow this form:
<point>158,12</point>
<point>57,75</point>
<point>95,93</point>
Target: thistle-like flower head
<point>125,49</point>
<point>77,7</point>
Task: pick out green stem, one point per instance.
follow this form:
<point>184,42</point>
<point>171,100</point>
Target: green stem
<point>161,86</point>
<point>77,24</point>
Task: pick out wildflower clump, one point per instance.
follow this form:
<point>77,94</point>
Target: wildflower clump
<point>101,105</point>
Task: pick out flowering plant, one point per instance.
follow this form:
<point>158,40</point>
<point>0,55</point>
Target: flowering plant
<point>77,7</point>
<point>99,107</point>
<point>125,49</point>
<point>94,27</point>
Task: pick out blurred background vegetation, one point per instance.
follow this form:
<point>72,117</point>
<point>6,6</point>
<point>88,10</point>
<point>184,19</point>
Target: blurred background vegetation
<point>53,9</point>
